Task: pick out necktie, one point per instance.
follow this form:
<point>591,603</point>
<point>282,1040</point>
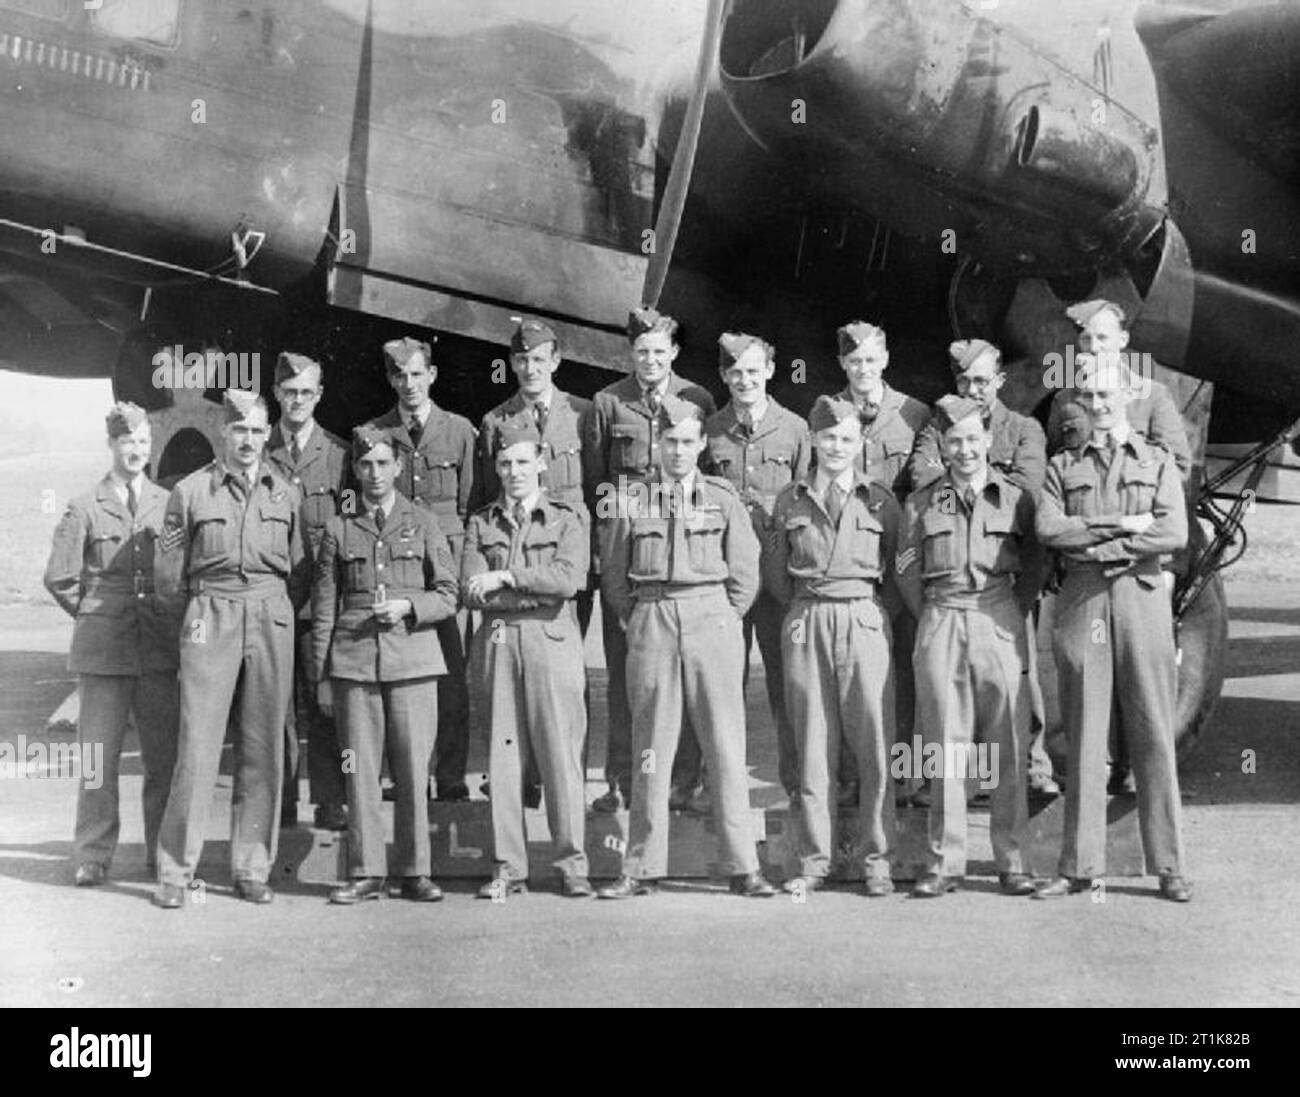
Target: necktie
<point>539,415</point>
<point>834,503</point>
<point>968,494</point>
<point>295,451</point>
<point>520,514</point>
<point>416,430</point>
<point>379,519</point>
<point>132,500</point>
<point>651,397</point>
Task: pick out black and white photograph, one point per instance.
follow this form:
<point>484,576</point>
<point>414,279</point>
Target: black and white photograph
<point>601,503</point>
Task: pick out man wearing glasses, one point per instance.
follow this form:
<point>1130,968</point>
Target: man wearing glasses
<point>316,463</point>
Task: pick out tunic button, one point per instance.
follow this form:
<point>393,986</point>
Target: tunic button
<point>297,479</point>
<point>379,544</point>
<point>379,567</point>
<point>417,479</point>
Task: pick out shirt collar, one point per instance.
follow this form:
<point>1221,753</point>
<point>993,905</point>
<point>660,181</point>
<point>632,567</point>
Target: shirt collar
<point>1121,433</point>
<point>303,435</point>
<point>421,416</point>
<point>545,401</point>
<point>754,419</point>
<point>822,480</point>
<point>120,486</point>
<point>688,483</point>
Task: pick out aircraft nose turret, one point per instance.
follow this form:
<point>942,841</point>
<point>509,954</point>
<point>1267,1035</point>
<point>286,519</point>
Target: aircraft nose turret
<point>933,118</point>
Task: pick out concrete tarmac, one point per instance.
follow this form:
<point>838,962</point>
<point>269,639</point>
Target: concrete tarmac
<point>1237,943</point>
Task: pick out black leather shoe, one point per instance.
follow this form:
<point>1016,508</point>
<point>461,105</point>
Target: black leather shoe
<point>420,889</point>
<point>625,887</point>
<point>1062,886</point>
<point>613,800</point>
<point>169,897</point>
<point>532,796</point>
<point>254,891</point>
<point>363,887</point>
<point>576,887</point>
<point>877,887</point>
<point>752,886</point>
<point>501,887</point>
<point>331,817</point>
<point>1175,888</point>
<point>1120,782</point>
<point>933,886</point>
<point>1016,883</point>
<point>921,797</point>
<point>387,791</point>
<point>453,794</point>
<point>90,875</point>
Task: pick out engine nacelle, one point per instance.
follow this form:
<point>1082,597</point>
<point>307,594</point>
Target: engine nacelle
<point>934,119</point>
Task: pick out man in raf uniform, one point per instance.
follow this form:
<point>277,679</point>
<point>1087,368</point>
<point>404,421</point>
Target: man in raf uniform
<point>1102,332</point>
<point>316,463</point>
<point>383,583</point>
<point>760,447</point>
<point>680,573</point>
<point>1112,507</point>
<point>561,420</point>
<point>101,571</point>
<point>969,567</point>
<point>831,541</point>
<point>1018,451</point>
<point>436,459</point>
<point>623,443</point>
<point>526,556</point>
<point>1155,416</point>
<point>233,550</point>
<point>890,423</point>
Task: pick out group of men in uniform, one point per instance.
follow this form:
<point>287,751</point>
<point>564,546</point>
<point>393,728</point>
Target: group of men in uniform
<point>342,579</point>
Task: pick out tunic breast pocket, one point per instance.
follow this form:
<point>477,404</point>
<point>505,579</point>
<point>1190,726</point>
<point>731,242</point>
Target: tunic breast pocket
<point>1001,543</point>
<point>104,547</point>
<point>704,535</point>
<point>1139,483</point>
<point>564,468</point>
<point>211,536</point>
<point>275,524</point>
<point>440,478</point>
<point>864,548</point>
<point>406,563</point>
<point>801,543</point>
<point>629,450</point>
<point>773,472</point>
<point>495,547</point>
<point>541,549</point>
<point>938,544</point>
<point>649,555</point>
<point>1079,486</point>
<point>356,571</point>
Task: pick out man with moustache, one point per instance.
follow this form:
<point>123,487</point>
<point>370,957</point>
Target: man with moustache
<point>436,456</point>
<point>383,582</point>
<point>101,571</point>
<point>316,463</point>
<point>233,554</point>
<point>623,446</point>
<point>830,551</point>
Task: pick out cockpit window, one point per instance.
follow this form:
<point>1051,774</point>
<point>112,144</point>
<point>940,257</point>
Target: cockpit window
<point>155,21</point>
<point>44,9</point>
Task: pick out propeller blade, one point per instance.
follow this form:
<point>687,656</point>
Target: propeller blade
<point>679,177</point>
